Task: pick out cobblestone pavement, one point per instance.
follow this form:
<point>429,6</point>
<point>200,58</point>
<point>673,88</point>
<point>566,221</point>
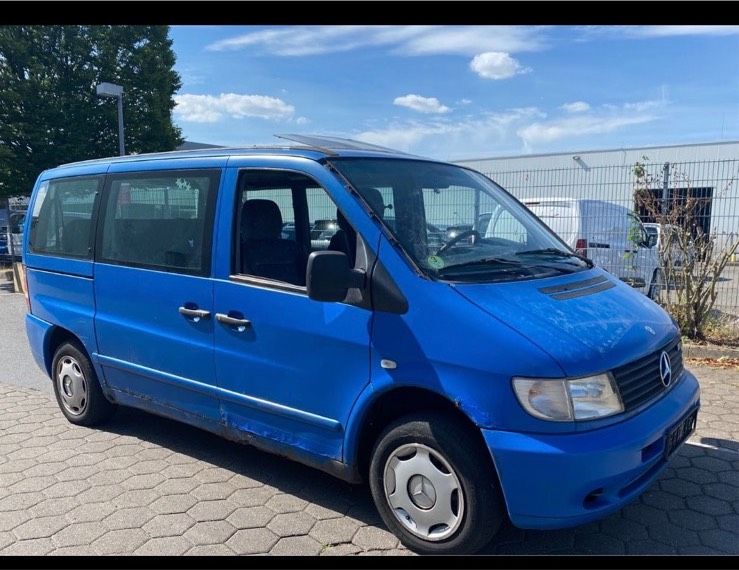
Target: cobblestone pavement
<point>146,485</point>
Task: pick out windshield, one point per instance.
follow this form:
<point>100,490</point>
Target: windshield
<point>457,224</point>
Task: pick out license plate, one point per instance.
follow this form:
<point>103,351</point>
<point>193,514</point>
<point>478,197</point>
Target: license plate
<point>680,432</point>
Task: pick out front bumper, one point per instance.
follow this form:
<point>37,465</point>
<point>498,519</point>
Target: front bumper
<point>561,480</point>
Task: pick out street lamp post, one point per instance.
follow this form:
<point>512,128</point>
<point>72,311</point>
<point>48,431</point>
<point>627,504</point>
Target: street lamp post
<point>113,90</point>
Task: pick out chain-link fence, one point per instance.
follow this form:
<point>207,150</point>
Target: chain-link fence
<point>624,217</point>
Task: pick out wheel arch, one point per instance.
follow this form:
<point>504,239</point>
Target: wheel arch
<point>54,339</point>
<point>380,408</point>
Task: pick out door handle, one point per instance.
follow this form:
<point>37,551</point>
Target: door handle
<point>238,324</point>
<point>194,314</point>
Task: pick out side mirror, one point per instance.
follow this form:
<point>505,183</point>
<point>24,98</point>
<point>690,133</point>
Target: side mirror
<point>329,276</point>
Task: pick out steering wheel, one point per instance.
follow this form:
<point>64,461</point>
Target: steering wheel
<point>456,239</point>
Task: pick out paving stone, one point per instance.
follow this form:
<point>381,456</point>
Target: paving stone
<point>213,491</point>
<point>11,519</point>
<point>20,501</point>
<point>130,517</point>
<point>89,512</point>
<point>40,527</point>
<point>253,497</point>
<point>136,498</point>
<point>6,538</point>
<point>291,524</point>
<point>120,541</point>
<point>339,550</point>
<point>170,504</point>
<point>211,510</point>
<point>692,520</point>
<point>33,547</point>
<point>648,547</point>
<point>334,531</point>
<point>284,503</point>
<point>709,505</point>
<point>251,517</point>
<point>604,544</point>
<point>721,540</point>
<point>252,541</point>
<point>296,546</point>
<point>210,532</point>
<point>53,507</point>
<point>673,535</point>
<point>147,481</point>
<point>370,537</point>
<point>78,534</point>
<point>164,546</point>
<point>210,550</point>
<point>176,486</point>
<point>168,525</point>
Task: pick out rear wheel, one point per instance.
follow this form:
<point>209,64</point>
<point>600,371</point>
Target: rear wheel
<point>433,486</point>
<point>77,389</point>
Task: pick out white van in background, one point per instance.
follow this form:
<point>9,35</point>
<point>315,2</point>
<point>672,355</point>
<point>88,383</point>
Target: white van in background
<point>609,234</point>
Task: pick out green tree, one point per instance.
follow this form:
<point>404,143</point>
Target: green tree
<point>49,111</point>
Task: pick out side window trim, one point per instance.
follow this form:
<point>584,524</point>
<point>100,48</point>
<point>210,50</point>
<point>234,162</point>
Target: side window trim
<point>92,237</point>
<point>215,174</point>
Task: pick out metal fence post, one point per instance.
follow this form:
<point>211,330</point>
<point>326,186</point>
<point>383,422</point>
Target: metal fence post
<point>665,187</point>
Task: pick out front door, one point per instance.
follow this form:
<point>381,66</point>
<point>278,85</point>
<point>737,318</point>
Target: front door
<point>153,291</point>
<point>290,368</point>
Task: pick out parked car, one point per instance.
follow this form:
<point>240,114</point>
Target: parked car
<point>503,379</point>
<point>325,227</point>
<point>11,236</point>
<point>661,234</point>
<point>609,234</point>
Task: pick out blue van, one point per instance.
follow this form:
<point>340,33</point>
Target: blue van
<point>489,376</point>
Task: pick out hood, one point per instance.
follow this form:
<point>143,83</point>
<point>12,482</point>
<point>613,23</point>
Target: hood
<point>588,322</point>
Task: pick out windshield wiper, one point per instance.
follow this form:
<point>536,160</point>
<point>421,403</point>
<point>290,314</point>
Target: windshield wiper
<point>484,261</point>
<point>553,251</point>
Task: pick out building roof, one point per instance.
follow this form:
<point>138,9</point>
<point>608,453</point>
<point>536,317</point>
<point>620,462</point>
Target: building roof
<point>593,151</point>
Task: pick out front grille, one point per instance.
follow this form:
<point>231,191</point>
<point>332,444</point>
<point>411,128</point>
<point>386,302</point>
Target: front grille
<point>639,381</point>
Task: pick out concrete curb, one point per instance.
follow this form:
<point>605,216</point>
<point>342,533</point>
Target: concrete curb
<point>692,350</point>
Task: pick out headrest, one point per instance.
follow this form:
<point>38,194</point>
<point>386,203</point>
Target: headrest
<point>261,219</point>
<point>374,199</point>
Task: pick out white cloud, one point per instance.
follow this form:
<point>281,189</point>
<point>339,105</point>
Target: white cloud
<point>445,134</point>
<point>213,108</point>
<point>402,40</point>
<point>302,120</point>
<point>659,31</point>
<point>496,65</point>
<point>421,104</point>
<point>464,101</point>
<point>576,107</point>
<point>605,119</point>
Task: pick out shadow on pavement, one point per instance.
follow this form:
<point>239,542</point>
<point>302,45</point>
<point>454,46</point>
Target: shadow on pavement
<point>692,509</point>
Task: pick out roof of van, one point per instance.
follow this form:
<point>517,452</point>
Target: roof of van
<point>310,146</point>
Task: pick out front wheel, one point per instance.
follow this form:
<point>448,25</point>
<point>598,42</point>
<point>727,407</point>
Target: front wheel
<point>434,486</point>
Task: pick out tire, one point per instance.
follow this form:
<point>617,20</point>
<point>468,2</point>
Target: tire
<point>656,286</point>
<point>451,447</point>
<point>76,387</point>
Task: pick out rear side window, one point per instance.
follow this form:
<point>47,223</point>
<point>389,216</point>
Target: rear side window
<point>160,220</point>
<point>61,221</point>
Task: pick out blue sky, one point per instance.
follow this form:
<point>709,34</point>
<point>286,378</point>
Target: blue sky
<point>460,92</point>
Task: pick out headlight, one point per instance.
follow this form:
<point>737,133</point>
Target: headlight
<point>566,400</point>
